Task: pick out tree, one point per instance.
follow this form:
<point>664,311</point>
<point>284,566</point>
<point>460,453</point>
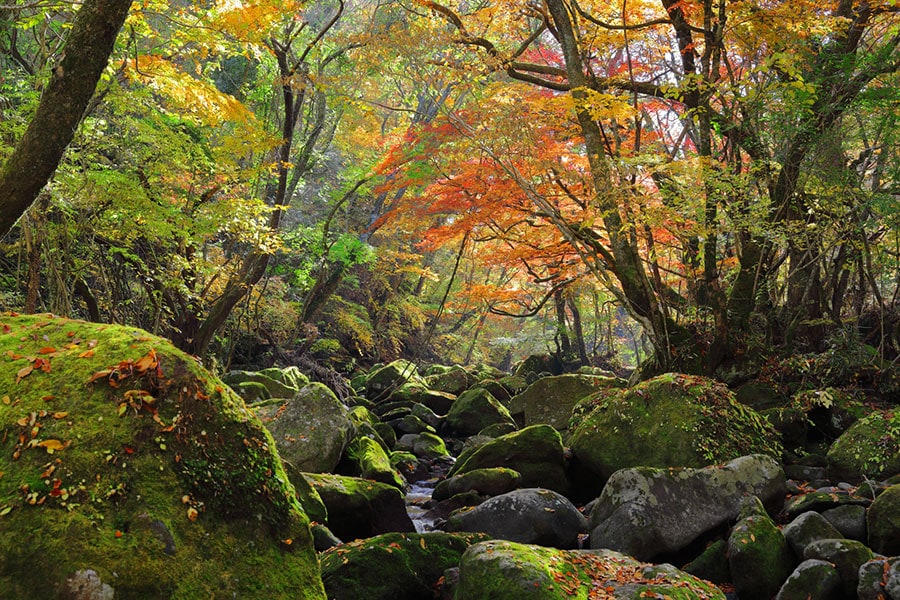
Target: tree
<point>65,98</point>
<point>739,76</point>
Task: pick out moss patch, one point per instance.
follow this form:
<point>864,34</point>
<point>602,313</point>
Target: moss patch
<point>393,566</point>
<point>502,570</point>
<point>671,420</point>
<point>122,455</point>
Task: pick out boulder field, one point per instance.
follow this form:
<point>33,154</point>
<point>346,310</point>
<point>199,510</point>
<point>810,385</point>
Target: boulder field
<point>128,471</point>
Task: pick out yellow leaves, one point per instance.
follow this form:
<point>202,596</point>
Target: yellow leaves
<point>252,21</point>
<point>603,106</point>
<point>194,99</point>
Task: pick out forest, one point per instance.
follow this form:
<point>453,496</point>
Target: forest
<point>675,185</point>
<point>419,299</point>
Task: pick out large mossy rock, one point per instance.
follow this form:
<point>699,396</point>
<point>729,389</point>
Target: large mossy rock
<point>128,467</point>
<point>869,448</point>
<point>393,566</point>
<point>645,511</point>
<point>311,429</point>
<point>550,400</point>
<point>536,452</point>
<point>372,462</point>
<point>671,420</point>
<point>360,508</point>
<point>452,380</point>
<point>883,522</point>
<point>758,555</point>
<point>245,381</point>
<point>502,570</point>
<point>382,382</point>
<point>474,410</point>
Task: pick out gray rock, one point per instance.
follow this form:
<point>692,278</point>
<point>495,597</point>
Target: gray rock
<point>892,586</point>
<point>871,580</point>
<point>644,511</point>
<point>849,519</point>
<point>86,585</point>
<point>846,556</point>
<point>550,400</point>
<point>529,516</point>
<point>382,382</point>
<point>813,579</point>
<point>808,528</point>
<point>311,430</point>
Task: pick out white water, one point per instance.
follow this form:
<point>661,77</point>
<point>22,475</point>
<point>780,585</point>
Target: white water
<point>418,494</point>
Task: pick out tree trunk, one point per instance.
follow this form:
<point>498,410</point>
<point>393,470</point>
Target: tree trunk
<point>67,95</point>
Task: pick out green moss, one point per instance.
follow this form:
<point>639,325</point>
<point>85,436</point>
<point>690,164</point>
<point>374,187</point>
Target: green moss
<point>536,452</point>
<point>501,570</point>
<point>167,459</point>
<point>373,462</point>
<point>392,566</point>
<point>869,448</point>
<point>671,420</point>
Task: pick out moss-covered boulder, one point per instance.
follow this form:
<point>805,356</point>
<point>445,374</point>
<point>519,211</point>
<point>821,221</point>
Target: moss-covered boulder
<point>274,388</point>
<point>474,410</point>
<point>644,511</point>
<point>869,448</point>
<point>383,381</point>
<point>807,528</point>
<point>847,556</point>
<point>453,380</point>
<point>423,445</point>
<point>290,376</point>
<point>671,420</point>
<point>311,429</point>
<point>128,467</point>
<point>360,508</point>
<point>883,522</point>
<point>486,482</point>
<point>758,555</point>
<point>502,570</point>
<point>531,367</point>
<point>372,462</point>
<point>813,579</point>
<point>536,452</point>
<point>550,400</point>
<point>393,566</point>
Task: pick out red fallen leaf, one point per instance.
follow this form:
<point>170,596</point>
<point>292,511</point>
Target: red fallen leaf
<point>47,350</point>
<point>48,398</point>
<point>70,333</point>
<point>23,373</point>
<point>6,328</point>
<point>118,533</point>
<point>129,450</point>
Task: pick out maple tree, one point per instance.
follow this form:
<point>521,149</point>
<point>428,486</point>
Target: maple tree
<point>699,168</point>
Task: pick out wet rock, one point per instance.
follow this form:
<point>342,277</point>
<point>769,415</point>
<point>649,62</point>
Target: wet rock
<point>813,579</point>
<point>883,522</point>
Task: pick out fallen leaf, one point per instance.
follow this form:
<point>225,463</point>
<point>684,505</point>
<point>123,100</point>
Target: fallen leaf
<point>118,533</point>
<point>192,513</point>
<point>60,415</point>
<point>148,361</point>
<point>99,375</point>
<point>47,350</point>
<point>86,354</point>
<point>23,373</point>
<point>422,542</point>
<point>52,445</point>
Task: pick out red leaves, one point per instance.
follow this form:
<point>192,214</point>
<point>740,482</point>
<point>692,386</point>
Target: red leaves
<point>146,365</point>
